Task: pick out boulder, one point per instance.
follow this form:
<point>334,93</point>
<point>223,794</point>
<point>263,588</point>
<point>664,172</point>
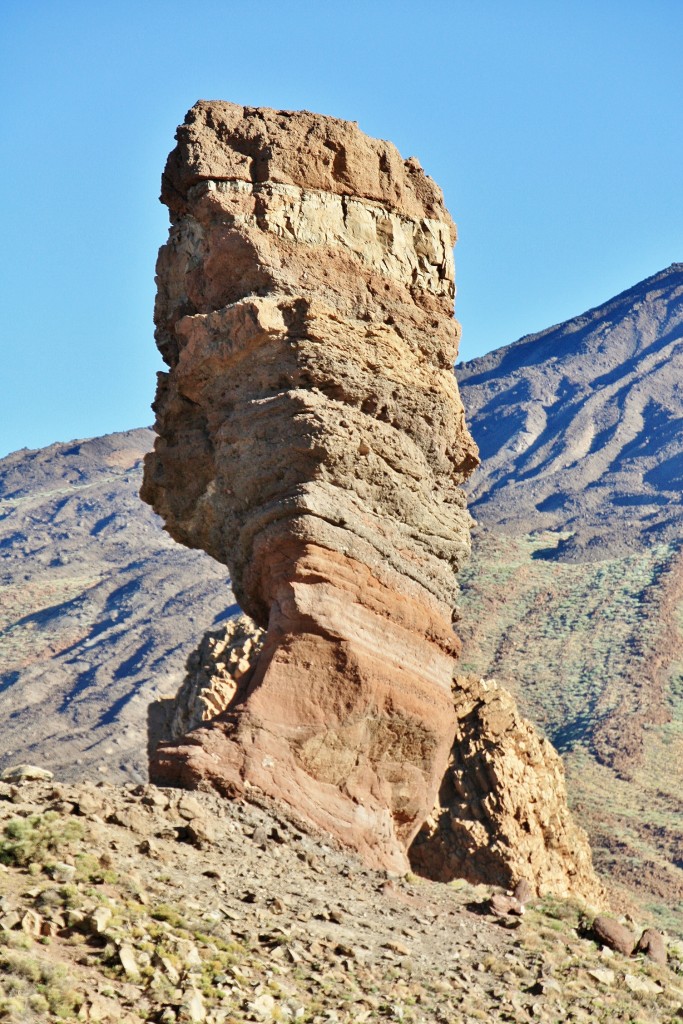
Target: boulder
<point>20,773</point>
<point>502,816</point>
<point>652,944</point>
<point>611,933</point>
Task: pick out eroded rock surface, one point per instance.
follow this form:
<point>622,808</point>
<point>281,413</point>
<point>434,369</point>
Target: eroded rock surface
<point>502,814</point>
<point>218,676</point>
<point>311,437</point>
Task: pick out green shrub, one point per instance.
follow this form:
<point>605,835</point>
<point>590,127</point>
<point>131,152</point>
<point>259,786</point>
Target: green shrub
<point>34,838</point>
<point>169,914</point>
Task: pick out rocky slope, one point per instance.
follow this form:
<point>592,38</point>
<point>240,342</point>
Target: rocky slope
<point>99,608</point>
<point>311,437</point>
<point>580,426</point>
<point>573,598</point>
<point>141,904</point>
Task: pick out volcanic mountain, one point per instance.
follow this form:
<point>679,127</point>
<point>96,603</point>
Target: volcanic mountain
<point>573,598</point>
<point>99,610</point>
<point>580,426</point>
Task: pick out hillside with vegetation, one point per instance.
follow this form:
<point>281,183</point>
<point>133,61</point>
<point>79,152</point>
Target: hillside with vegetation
<point>573,597</point>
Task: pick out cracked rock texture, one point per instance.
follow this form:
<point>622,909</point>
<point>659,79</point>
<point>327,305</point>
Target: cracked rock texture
<point>218,675</point>
<point>311,437</point>
<point>502,814</point>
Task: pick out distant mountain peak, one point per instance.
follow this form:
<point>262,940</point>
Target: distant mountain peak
<point>580,426</point>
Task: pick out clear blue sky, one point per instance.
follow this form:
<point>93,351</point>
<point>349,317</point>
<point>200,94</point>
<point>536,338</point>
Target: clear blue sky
<point>553,127</point>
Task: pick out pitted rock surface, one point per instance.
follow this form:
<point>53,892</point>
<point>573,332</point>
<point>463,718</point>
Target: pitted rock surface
<point>312,438</point>
<point>502,815</point>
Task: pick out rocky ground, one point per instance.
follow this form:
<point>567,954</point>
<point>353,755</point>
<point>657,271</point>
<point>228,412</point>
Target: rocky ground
<point>141,904</point>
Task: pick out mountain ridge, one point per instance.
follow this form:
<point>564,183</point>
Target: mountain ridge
<point>583,421</point>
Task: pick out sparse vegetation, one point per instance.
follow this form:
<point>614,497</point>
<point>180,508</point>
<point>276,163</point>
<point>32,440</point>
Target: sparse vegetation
<point>420,953</point>
<point>583,646</point>
<point>35,837</point>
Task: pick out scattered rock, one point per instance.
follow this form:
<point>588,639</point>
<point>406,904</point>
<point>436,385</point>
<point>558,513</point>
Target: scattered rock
<point>546,986</point>
<point>193,1009</point>
<point>168,968</point>
<point>32,922</point>
<point>149,847</point>
<point>133,818</point>
<point>199,832</point>
<point>102,1008</point>
<point>189,808</point>
<point>652,944</point>
<point>189,954</point>
<point>62,872</point>
<point>523,891</point>
<point>262,1006</point>
<point>99,919</point>
<point>397,947</point>
<point>128,961</point>
<point>20,773</point>
<point>641,985</point>
<point>617,936</point>
<point>604,975</point>
<point>260,837</point>
<point>501,905</point>
<point>89,803</point>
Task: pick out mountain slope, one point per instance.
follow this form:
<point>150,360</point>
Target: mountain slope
<point>99,608</point>
<point>573,598</point>
<point>580,426</point>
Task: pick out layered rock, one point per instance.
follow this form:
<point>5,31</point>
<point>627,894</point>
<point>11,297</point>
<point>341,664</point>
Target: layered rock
<point>502,815</point>
<point>311,437</point>
<point>218,675</point>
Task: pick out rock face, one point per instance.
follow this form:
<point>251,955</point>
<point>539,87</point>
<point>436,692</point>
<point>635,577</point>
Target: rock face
<point>502,815</point>
<point>218,676</point>
<point>311,437</point>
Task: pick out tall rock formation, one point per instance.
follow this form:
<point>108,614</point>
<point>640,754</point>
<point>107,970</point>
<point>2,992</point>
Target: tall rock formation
<point>311,437</point>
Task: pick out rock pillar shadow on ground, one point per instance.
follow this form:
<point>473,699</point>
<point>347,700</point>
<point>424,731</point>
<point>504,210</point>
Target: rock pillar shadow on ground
<point>311,437</point>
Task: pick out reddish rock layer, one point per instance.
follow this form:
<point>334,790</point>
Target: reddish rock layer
<point>312,438</point>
